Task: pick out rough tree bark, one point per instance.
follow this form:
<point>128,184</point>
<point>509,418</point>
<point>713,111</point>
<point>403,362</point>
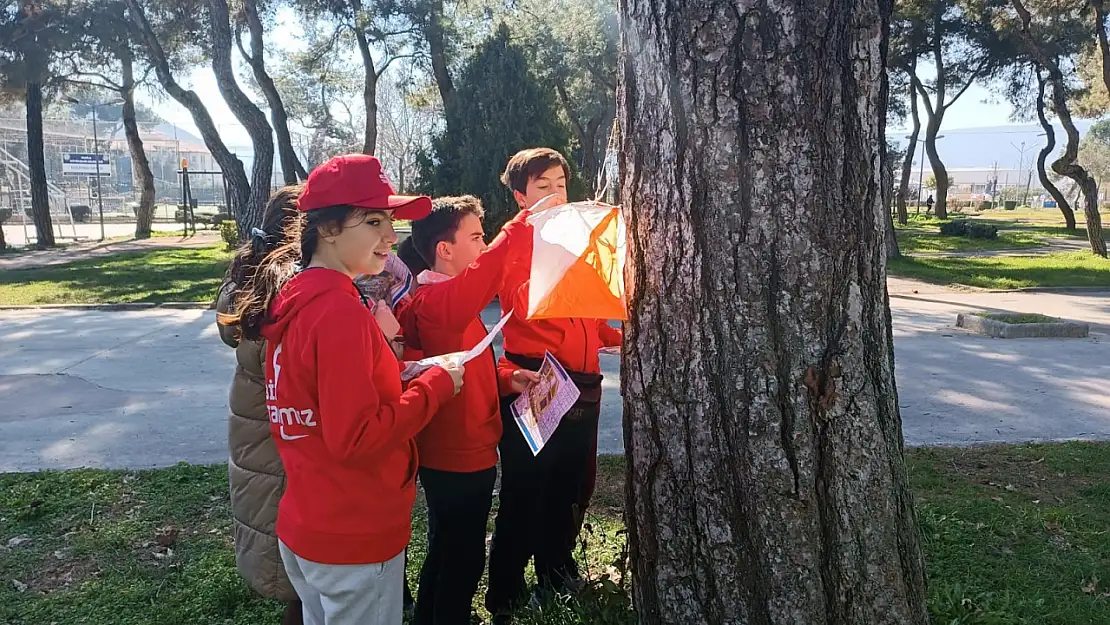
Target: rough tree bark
<point>766,479</point>
<point>249,115</point>
<point>1046,151</point>
<point>911,150</point>
<point>231,166</point>
<point>370,77</point>
<point>144,218</point>
<point>291,168</point>
<point>1066,164</point>
<point>36,164</point>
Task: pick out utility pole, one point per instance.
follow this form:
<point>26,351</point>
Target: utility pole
<point>99,193</point>
<point>96,151</point>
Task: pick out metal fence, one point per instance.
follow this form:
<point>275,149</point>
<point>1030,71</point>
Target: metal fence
<point>74,198</point>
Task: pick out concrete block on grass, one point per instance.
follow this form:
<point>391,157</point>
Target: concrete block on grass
<point>996,326</point>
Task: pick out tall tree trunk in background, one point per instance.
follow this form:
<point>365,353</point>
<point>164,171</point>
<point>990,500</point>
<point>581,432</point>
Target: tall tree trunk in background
<point>249,115</point>
<point>940,173</point>
<point>1066,164</point>
<point>3,241</point>
<point>370,82</point>
<point>587,132</point>
<point>911,150</point>
<point>437,50</point>
<point>144,218</point>
<point>36,164</point>
<point>766,482</point>
<point>1046,151</point>
<point>1098,8</point>
<point>291,168</point>
<point>229,164</point>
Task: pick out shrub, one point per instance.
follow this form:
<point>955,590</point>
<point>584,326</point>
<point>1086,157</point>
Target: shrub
<point>229,232</point>
<point>986,205</point>
<point>5,215</point>
<point>80,212</point>
<point>969,229</point>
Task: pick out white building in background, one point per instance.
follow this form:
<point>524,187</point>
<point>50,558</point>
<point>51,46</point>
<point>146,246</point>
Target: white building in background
<point>987,162</point>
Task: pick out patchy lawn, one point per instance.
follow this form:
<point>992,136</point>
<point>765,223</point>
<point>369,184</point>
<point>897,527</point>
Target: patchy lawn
<point>922,235</point>
<point>1007,272</point>
<point>1024,230</point>
<point>149,276</point>
<point>1012,534</point>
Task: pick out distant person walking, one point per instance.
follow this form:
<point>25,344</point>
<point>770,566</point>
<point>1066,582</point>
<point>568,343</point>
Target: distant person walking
<point>929,204</point>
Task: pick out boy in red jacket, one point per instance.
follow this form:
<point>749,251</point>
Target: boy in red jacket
<point>458,448</point>
<point>341,422</point>
<point>543,497</point>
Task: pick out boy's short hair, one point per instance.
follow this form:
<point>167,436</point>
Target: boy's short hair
<point>442,224</point>
<point>527,165</point>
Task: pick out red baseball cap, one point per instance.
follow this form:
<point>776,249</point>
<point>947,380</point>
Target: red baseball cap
<point>359,180</point>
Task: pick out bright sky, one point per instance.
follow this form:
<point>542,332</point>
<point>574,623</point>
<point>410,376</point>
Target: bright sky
<point>974,109</point>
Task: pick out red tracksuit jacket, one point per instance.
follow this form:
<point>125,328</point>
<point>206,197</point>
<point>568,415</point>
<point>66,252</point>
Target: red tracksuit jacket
<point>442,317</point>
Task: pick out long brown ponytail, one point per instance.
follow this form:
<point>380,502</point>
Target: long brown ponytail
<point>265,263</point>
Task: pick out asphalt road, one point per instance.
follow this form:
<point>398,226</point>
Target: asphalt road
<point>148,388</point>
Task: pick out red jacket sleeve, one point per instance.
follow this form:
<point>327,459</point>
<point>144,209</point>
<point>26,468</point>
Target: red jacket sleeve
<point>358,423</point>
<point>610,336</point>
<point>454,303</point>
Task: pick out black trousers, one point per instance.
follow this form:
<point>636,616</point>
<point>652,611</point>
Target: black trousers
<point>539,506</point>
<point>458,509</point>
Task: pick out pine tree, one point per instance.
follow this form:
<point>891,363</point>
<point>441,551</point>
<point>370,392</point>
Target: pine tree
<point>504,109</point>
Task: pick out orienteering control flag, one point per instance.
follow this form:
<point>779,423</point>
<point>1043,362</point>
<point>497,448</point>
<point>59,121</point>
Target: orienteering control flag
<point>577,263</point>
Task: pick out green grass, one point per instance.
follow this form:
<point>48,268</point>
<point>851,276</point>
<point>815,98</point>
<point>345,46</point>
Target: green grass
<point>1007,272</point>
<point>1027,230</point>
<point>1012,535</point>
<point>149,276</point>
<point>1017,318</point>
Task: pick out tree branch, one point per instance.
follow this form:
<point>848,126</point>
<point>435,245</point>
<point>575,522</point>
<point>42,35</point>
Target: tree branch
<point>87,83</point>
<point>239,44</point>
<point>970,80</point>
<point>390,60</point>
<point>924,94</point>
<point>108,82</point>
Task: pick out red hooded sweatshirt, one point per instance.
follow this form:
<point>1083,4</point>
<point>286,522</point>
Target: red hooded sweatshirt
<point>442,317</point>
<point>343,426</point>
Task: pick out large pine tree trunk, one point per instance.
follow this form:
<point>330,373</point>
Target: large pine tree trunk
<point>144,218</point>
<point>766,479</point>
<point>1046,151</point>
<point>36,164</point>
<point>249,115</point>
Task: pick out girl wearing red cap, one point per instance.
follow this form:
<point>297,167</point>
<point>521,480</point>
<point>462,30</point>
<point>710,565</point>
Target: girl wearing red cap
<point>342,424</point>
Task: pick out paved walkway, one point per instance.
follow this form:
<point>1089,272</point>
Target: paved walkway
<point>149,388</point>
<point>83,251</point>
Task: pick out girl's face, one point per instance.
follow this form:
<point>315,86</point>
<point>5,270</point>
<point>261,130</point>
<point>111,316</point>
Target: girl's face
<point>364,243</point>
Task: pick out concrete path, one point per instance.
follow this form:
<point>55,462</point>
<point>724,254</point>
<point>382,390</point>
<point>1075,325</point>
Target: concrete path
<point>94,249</point>
<point>149,388</point>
